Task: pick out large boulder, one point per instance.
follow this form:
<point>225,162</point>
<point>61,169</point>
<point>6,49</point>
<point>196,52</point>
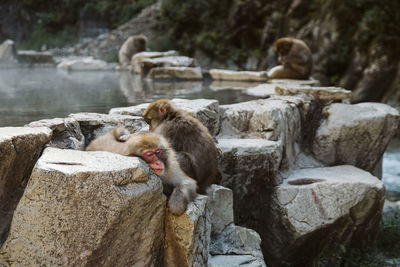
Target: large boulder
<point>355,134</point>
<point>314,210</point>
<point>87,209</point>
<point>137,59</point>
<point>20,147</point>
<point>205,110</point>
<point>183,73</point>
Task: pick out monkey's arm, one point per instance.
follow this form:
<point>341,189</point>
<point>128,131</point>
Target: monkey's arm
<point>108,143</point>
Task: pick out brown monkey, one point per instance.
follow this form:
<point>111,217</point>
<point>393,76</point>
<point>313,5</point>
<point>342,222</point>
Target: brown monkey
<point>295,57</point>
<point>191,140</point>
<point>133,45</point>
<point>157,152</point>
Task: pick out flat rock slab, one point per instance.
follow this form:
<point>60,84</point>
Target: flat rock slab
<point>235,261</point>
<point>221,85</point>
<point>87,209</point>
<point>320,93</point>
<point>324,207</point>
<point>81,64</point>
<point>262,90</point>
<point>355,134</point>
<point>295,82</point>
<point>182,73</point>
<point>221,74</point>
<point>20,147</point>
<point>138,58</point>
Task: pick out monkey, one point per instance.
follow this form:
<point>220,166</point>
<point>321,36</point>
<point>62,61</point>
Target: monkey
<point>195,147</point>
<point>161,158</point>
<point>133,45</point>
<point>295,57</point>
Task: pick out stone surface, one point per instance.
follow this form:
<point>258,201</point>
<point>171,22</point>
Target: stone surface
<point>220,85</point>
<point>20,147</point>
<point>221,74</point>
<point>321,208</point>
<point>221,208</point>
<point>294,82</point>
<point>355,134</point>
<point>35,57</point>
<point>205,110</point>
<point>187,237</point>
<point>138,59</point>
<point>8,52</point>
<point>184,73</point>
<point>248,167</point>
<point>87,209</point>
<point>85,63</point>
<point>235,261</point>
<point>67,132</point>
<point>262,90</point>
<point>320,93</point>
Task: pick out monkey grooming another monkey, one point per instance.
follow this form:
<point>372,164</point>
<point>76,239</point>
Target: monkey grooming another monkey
<point>195,147</point>
<point>295,57</point>
<point>157,152</point>
<point>133,45</point>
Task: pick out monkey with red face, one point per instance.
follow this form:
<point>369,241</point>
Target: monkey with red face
<point>295,57</point>
<point>195,147</point>
<point>156,151</point>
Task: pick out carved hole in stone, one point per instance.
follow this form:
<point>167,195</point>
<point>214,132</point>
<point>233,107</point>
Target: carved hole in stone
<point>305,181</point>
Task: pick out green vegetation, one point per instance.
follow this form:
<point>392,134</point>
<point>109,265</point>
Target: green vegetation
<point>58,20</point>
<point>386,246</point>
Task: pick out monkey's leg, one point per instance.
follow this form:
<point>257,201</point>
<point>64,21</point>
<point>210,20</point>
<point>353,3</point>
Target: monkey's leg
<point>279,72</point>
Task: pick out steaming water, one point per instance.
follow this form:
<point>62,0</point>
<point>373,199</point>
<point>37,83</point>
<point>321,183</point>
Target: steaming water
<point>31,94</point>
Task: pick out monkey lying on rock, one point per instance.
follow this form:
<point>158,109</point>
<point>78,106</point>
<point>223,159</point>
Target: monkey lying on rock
<point>157,152</point>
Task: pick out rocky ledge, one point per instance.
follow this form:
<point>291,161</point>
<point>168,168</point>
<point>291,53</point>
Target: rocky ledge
<point>296,174</point>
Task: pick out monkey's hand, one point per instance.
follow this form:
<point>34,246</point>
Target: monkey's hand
<point>178,202</point>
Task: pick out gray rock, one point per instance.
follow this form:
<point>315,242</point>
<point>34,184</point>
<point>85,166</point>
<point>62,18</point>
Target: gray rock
<point>84,63</point>
<point>183,73</point>
<point>355,134</point>
<point>221,208</point>
<point>87,208</point>
<point>319,93</point>
<point>235,261</point>
<point>262,90</point>
<point>8,52</point>
<point>321,207</point>
<point>221,74</point>
<point>20,147</point>
<point>220,85</point>
<point>35,57</point>
<point>138,58</point>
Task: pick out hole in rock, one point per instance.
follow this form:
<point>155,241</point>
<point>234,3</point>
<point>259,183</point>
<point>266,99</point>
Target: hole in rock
<point>305,181</point>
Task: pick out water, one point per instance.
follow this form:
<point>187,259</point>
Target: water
<point>32,94</point>
<point>391,169</point>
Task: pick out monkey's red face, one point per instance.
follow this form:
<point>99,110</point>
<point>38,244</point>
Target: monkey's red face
<point>153,157</point>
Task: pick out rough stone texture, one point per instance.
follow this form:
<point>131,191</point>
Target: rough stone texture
<point>318,209</point>
<point>187,237</point>
<point>235,261</point>
<point>355,134</point>
<point>138,59</point>
<point>86,63</point>
<point>184,73</point>
<point>320,93</point>
<point>204,109</point>
<point>248,167</point>
<point>20,147</point>
<point>87,209</point>
<point>220,85</point>
<point>294,82</point>
<point>227,238</point>
<point>221,74</point>
<point>95,124</point>
<point>8,52</point>
<point>67,132</point>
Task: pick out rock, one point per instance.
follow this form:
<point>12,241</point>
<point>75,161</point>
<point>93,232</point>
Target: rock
<point>148,64</point>
<point>185,73</point>
<point>294,82</point>
<point>321,208</point>
<point>95,124</point>
<point>262,90</point>
<point>88,208</point>
<point>226,237</point>
<point>138,58</point>
<point>66,132</point>
<point>320,93</point>
<point>204,109</point>
<point>8,52</point>
<point>220,85</point>
<point>355,134</point>
<point>221,74</point>
<point>35,57</point>
<point>85,63</point>
<point>235,261</point>
<point>248,168</point>
<point>20,147</point>
<point>187,237</point>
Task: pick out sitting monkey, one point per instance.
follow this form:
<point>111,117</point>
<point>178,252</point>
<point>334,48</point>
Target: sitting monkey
<point>295,57</point>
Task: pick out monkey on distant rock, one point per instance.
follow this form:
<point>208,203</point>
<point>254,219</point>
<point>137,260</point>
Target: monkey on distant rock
<point>295,57</point>
<point>133,45</point>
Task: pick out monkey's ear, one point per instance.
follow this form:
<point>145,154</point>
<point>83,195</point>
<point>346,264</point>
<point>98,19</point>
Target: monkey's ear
<point>162,110</point>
